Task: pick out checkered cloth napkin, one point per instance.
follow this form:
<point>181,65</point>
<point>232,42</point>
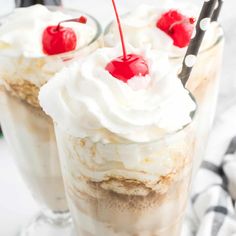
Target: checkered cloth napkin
<point>212,211</point>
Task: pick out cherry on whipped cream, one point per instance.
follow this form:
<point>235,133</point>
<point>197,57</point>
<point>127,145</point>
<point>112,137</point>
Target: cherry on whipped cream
<point>178,26</point>
<point>59,39</point>
<point>125,69</point>
<point>127,66</point>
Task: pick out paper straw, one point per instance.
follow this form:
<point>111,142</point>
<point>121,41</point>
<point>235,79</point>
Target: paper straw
<point>194,46</point>
<point>217,11</point>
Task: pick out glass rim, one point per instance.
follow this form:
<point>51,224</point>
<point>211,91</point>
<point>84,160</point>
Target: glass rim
<point>59,8</point>
<point>218,39</point>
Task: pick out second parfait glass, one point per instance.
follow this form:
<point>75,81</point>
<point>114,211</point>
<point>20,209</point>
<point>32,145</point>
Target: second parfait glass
<point>30,133</point>
<point>203,84</point>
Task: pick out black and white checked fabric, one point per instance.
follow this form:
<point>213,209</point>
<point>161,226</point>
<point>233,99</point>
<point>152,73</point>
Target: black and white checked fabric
<point>212,211</point>
<point>213,203</point>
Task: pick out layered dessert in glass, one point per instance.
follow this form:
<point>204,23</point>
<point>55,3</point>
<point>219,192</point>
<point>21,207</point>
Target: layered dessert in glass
<point>126,136</point>
<point>33,47</point>
<point>169,28</point>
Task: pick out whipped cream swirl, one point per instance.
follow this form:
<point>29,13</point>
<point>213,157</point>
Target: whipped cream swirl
<point>86,101</point>
<point>21,32</point>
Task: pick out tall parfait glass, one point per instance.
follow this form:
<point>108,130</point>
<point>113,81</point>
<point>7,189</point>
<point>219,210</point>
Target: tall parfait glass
<point>204,80</point>
<point>30,133</point>
<point>126,148</point>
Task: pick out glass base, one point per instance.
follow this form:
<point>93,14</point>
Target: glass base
<point>49,224</point>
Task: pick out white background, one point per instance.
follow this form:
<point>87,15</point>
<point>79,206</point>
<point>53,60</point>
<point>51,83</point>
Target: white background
<point>16,203</point>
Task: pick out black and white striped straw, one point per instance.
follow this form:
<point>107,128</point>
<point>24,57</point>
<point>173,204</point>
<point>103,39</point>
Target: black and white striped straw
<point>209,9</point>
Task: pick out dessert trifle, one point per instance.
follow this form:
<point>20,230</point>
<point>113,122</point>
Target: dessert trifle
<point>35,43</point>
<point>169,28</point>
<point>125,134</point>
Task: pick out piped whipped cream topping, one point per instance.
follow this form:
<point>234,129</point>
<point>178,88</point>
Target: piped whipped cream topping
<point>140,28</point>
<point>21,32</point>
<point>86,101</point>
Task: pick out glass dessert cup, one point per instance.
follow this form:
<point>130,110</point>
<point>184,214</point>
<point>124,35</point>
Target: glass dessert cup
<point>103,201</point>
<point>30,133</point>
<point>204,85</point>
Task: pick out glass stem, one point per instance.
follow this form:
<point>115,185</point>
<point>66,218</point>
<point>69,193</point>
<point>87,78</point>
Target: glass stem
<point>56,217</point>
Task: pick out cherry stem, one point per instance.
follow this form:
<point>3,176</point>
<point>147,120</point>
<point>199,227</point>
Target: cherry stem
<point>70,20</point>
<point>120,30</point>
<point>190,20</point>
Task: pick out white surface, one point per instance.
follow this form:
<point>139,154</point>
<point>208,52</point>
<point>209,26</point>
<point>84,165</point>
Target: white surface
<point>16,203</point>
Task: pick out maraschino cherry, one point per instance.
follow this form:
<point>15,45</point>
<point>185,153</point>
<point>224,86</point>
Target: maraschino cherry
<point>127,66</point>
<point>177,26</point>
<point>59,39</point>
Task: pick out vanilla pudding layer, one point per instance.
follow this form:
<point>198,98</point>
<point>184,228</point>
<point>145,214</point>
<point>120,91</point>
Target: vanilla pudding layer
<point>107,198</point>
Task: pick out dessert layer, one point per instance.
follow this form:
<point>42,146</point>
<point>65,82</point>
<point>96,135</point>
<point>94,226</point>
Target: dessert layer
<point>23,90</point>
<point>131,169</point>
<point>30,134</point>
<point>104,212</point>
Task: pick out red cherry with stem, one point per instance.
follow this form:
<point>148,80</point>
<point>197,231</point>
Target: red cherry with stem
<point>127,66</point>
<point>125,69</point>
<point>59,39</point>
<point>179,27</point>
